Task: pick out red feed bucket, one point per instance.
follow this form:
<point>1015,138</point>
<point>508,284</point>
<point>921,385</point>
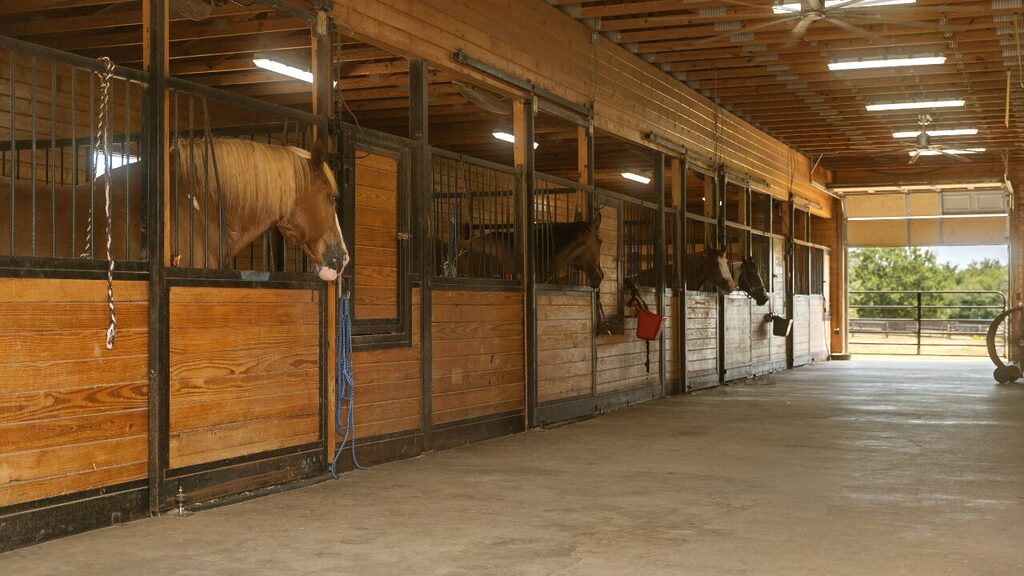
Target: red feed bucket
<point>648,325</point>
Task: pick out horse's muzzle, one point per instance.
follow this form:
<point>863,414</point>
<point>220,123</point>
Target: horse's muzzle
<point>335,265</point>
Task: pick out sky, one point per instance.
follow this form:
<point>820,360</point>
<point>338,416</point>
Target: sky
<point>961,256</point>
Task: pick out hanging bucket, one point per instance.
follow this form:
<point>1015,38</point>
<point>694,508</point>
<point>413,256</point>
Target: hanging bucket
<point>648,325</point>
<point>781,326</point>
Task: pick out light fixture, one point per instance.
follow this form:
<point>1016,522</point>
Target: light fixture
<point>933,217</point>
<point>636,178</point>
<point>915,105</point>
<point>951,132</point>
<point>947,151</point>
<point>505,136</point>
<point>886,63</point>
<point>281,68</point>
<point>794,8</point>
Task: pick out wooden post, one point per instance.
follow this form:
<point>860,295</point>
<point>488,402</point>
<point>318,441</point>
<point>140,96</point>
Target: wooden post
<point>837,282</point>
<point>157,161</point>
<point>679,200</point>
<point>523,116</point>
<point>790,211</point>
<point>659,260</point>
<point>1016,264</point>
<point>583,155</point>
<point>419,110</point>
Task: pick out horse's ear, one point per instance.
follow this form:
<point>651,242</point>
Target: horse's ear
<point>318,153</point>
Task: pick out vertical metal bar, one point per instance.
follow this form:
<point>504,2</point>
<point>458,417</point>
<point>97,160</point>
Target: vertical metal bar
<point>126,158</point>
<point>192,182</point>
<point>14,154</point>
<point>92,164</point>
<point>51,158</point>
<point>206,188</point>
<point>32,160</point>
<point>175,144</point>
<point>919,323</point>
<point>74,163</point>
<point>419,122</point>
<point>529,274</point>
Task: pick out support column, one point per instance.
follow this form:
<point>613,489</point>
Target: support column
<point>659,260</point>
<point>523,116</point>
<point>679,201</point>
<point>419,120</point>
<point>1016,263</point>
<point>156,161</point>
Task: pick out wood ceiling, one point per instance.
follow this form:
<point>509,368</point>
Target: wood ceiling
<point>788,91</point>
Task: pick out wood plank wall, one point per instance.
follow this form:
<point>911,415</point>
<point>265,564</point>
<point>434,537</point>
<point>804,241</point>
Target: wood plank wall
<point>778,351</point>
<point>538,42</point>
<point>760,337</point>
<point>376,233</point>
<point>737,359</point>
<point>671,335</point>
<point>620,357</point>
<point>244,371</point>
<point>818,328</point>
<point>609,234</point>
<point>702,337</point>
<point>73,415</point>
<point>564,348</point>
<point>388,385</point>
<point>478,354</point>
<point>801,329</point>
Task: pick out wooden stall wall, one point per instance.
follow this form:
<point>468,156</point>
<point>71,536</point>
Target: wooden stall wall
<point>622,377</point>
<point>565,340</point>
<point>737,359</point>
<point>701,339</point>
<point>478,366</point>
<point>244,372</point>
<point>778,300</point>
<point>376,228</point>
<point>670,331</point>
<point>801,329</point>
<point>760,337</point>
<point>73,415</point>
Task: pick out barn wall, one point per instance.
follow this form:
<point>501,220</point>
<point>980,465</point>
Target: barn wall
<point>478,362</point>
<point>701,339</point>
<point>778,343</point>
<point>737,353</point>
<point>244,372</point>
<point>672,326</point>
<point>564,346</point>
<point>801,329</point>
<point>74,415</point>
<point>535,41</point>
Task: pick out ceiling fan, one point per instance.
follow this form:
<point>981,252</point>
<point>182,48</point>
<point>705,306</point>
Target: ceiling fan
<point>924,146</point>
<point>200,9</point>
<point>838,13</point>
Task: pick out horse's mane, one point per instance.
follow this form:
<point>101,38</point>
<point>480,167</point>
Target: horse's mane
<point>256,181</point>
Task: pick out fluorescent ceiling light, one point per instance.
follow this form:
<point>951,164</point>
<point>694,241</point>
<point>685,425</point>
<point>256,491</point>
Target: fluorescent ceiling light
<point>886,63</point>
<point>509,138</point>
<point>262,61</point>
<point>948,150</point>
<point>915,105</point>
<point>952,132</point>
<point>794,8</point>
<point>636,178</point>
<point>935,217</point>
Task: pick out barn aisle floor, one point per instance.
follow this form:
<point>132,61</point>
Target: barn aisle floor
<point>847,468</point>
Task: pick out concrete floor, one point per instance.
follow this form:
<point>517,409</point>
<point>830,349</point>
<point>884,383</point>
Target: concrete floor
<point>859,468</point>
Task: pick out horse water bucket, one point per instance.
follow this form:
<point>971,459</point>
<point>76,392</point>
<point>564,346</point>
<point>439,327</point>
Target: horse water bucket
<point>648,324</point>
<point>781,326</point>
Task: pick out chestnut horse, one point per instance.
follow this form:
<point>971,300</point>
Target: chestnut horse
<point>256,186</point>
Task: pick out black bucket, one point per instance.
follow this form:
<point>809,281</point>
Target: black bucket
<point>781,326</point>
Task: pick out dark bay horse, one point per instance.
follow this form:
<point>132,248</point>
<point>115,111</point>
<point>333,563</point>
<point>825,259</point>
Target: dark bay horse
<point>749,280</point>
<point>257,185</point>
<point>559,245</point>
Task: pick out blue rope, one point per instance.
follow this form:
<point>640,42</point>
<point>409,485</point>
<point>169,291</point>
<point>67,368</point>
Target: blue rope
<point>346,393</point>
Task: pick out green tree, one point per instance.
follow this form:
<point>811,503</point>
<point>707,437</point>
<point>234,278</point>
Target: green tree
<point>896,269</point>
<point>984,275</point>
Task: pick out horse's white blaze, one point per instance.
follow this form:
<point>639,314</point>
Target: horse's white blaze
<point>723,269</point>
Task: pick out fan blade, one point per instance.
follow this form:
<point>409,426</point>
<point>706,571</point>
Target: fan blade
<point>797,33</point>
<point>898,22</point>
<point>914,157</point>
<point>742,30</point>
<point>847,4</point>
<point>947,153</point>
<point>853,29</point>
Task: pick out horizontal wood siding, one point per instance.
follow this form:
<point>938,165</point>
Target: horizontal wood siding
<point>73,415</point>
<point>818,327</point>
<point>778,343</point>
<point>388,385</point>
<point>701,334</point>
<point>537,42</point>
<point>564,346</point>
<point>760,336</point>
<point>801,329</point>
<point>737,334</point>
<point>244,369</point>
<point>620,357</point>
<point>376,236</point>
<point>478,354</point>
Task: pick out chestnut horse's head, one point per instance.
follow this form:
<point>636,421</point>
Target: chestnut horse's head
<point>583,249</point>
<point>313,221</point>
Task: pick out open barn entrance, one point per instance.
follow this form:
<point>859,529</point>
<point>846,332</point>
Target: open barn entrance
<point>928,268</point>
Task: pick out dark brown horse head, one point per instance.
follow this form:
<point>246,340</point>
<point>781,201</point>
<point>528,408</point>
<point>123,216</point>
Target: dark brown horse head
<point>750,281</point>
<point>716,268</point>
<point>313,222</point>
<point>582,250</point>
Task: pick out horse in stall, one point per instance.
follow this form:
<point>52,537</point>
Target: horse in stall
<point>235,190</point>
<point>749,280</point>
<point>576,245</point>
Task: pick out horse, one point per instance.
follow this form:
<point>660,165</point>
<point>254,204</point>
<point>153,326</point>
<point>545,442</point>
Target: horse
<point>246,186</point>
<point>575,245</point>
<point>749,280</point>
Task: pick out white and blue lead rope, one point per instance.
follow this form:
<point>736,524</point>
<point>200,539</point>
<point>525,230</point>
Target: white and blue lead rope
<point>345,395</point>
